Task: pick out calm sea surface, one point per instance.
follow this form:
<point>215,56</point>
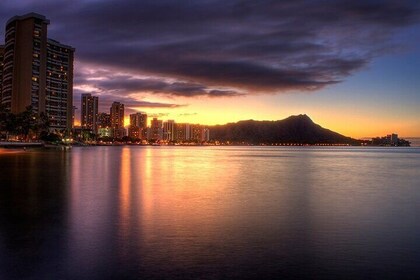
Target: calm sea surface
<point>210,213</point>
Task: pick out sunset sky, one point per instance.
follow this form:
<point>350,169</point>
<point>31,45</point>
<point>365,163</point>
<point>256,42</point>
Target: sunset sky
<point>352,66</point>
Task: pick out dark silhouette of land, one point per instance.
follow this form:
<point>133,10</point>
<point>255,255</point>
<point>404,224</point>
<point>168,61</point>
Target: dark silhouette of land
<point>298,129</point>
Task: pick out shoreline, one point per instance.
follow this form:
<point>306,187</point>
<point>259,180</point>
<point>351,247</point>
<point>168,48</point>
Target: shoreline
<point>16,146</point>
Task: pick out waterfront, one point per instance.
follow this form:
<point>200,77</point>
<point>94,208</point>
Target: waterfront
<point>147,212</point>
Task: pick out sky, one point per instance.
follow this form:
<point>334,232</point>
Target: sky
<point>351,66</point>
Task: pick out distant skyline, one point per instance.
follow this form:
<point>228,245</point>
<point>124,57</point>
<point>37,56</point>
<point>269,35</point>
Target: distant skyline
<point>352,66</point>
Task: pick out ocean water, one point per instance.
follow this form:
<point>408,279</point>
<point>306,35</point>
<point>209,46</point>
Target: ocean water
<point>210,213</point>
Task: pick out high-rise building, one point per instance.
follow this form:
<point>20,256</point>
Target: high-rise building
<point>156,130</point>
<point>104,120</point>
<point>37,72</point>
<point>134,132</point>
<point>104,125</point>
<point>59,90</point>
<point>138,119</point>
<point>185,132</point>
<point>89,112</point>
<point>199,133</point>
<point>138,125</point>
<point>196,133</point>
<point>117,114</point>
<point>1,68</point>
<point>206,135</point>
<point>169,130</point>
<point>25,63</point>
<point>117,119</point>
<point>182,132</point>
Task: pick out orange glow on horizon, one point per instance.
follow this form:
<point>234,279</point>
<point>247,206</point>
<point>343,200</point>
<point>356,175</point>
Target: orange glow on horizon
<point>352,126</point>
<point>126,121</point>
<point>357,122</point>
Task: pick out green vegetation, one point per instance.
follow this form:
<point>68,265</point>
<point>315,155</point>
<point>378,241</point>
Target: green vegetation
<point>26,125</point>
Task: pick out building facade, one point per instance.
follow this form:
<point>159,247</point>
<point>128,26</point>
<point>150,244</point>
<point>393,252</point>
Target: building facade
<point>185,132</point>
<point>37,72</point>
<point>89,112</point>
<point>104,120</point>
<point>138,119</point>
<point>169,131</point>
<point>182,132</point>
<point>156,130</point>
<point>117,119</point>
<point>134,132</point>
<point>59,89</point>
<point>25,63</point>
<point>104,125</point>
<point>138,125</point>
<point>1,69</point>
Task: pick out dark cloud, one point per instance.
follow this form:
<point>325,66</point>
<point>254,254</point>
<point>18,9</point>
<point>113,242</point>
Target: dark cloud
<point>122,84</point>
<point>224,93</point>
<point>202,46</point>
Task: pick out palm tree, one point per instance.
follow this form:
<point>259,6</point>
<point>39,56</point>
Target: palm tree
<point>25,121</point>
<point>41,124</point>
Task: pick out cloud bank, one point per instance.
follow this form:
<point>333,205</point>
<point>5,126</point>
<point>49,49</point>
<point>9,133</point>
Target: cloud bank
<point>221,48</point>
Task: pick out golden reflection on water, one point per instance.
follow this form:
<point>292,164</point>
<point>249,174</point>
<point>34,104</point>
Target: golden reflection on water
<point>145,198</point>
<point>170,197</point>
<point>182,195</point>
<point>125,192</point>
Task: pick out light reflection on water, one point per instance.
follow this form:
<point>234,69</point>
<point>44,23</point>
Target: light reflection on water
<point>210,212</point>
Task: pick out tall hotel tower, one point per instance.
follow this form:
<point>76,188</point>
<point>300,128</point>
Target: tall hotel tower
<point>37,71</point>
<point>1,68</point>
<point>139,120</point>
<point>59,90</point>
<point>89,117</point>
<point>117,119</point>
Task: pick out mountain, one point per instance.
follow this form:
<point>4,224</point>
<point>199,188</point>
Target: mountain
<point>294,129</point>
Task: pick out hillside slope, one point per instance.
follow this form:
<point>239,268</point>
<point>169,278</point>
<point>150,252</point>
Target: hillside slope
<point>294,129</point>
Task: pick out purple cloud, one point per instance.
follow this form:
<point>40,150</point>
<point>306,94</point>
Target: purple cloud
<point>223,48</point>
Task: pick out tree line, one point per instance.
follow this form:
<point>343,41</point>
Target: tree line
<point>25,125</point>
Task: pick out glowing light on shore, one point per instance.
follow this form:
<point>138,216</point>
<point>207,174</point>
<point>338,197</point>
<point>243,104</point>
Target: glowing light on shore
<point>126,121</point>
